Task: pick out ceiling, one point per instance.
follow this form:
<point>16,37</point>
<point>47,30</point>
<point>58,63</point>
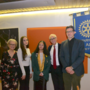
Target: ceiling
<point>35,5</point>
<point>72,3</point>
<point>25,4</point>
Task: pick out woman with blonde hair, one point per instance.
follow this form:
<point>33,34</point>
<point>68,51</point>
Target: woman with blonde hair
<point>9,66</point>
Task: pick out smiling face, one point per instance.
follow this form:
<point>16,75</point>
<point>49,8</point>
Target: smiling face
<point>25,41</point>
<point>70,33</point>
<point>53,40</point>
<point>12,45</point>
<point>41,46</point>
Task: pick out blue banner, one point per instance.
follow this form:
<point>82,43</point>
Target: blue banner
<point>82,28</point>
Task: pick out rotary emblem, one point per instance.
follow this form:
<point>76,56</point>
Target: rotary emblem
<point>84,28</point>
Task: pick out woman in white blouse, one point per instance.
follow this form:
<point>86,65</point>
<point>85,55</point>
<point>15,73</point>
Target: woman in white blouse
<point>24,56</point>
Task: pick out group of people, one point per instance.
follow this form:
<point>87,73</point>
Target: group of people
<point>64,62</point>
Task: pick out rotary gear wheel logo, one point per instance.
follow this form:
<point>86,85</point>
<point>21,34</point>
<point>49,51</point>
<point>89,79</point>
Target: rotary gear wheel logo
<point>84,28</point>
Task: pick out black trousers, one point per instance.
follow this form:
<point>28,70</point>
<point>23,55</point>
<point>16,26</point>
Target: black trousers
<point>57,78</point>
<point>24,84</point>
<point>41,84</point>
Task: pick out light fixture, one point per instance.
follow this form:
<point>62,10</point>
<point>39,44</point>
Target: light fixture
<point>40,10</point>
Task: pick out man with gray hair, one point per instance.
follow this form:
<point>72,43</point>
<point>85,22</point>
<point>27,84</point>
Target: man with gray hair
<point>56,67</point>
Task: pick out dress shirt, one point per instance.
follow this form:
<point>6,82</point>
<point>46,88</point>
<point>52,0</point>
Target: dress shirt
<point>26,62</point>
<point>51,54</point>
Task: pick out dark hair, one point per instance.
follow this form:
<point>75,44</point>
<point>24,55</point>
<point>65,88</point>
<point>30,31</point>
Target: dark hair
<point>24,53</point>
<point>70,27</point>
<point>45,51</point>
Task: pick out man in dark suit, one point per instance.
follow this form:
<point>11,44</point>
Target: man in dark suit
<point>72,56</point>
<point>56,67</point>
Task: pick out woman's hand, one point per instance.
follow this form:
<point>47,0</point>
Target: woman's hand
<point>30,75</point>
<point>41,74</point>
<point>23,77</point>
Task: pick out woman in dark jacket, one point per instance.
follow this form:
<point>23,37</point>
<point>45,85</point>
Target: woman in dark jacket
<point>41,66</point>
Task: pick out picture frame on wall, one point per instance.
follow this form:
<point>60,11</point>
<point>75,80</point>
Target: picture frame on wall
<point>5,35</point>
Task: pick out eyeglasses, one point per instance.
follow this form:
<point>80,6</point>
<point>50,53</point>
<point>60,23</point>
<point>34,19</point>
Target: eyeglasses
<point>12,44</point>
<point>52,38</point>
<point>69,31</point>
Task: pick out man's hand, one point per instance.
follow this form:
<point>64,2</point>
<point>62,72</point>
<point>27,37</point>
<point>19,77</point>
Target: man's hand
<point>69,70</point>
<point>72,72</point>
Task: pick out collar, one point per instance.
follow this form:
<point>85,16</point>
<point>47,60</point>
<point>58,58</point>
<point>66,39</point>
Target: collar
<point>71,39</point>
<point>55,45</point>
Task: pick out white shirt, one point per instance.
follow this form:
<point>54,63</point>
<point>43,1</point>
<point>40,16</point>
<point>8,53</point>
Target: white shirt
<point>51,54</point>
<point>26,62</point>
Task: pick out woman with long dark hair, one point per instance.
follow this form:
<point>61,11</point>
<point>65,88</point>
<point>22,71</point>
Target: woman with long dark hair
<point>41,65</point>
<point>25,63</point>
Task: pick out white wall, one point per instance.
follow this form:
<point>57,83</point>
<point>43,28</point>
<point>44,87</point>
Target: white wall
<point>44,19</point>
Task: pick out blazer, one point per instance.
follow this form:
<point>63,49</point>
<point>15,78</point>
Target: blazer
<point>35,67</point>
<point>77,56</point>
<point>49,48</point>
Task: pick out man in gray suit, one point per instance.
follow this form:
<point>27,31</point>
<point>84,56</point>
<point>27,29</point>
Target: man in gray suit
<point>72,56</point>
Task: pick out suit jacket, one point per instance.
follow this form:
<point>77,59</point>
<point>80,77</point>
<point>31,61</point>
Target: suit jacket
<point>77,56</point>
<point>49,48</point>
<point>35,67</point>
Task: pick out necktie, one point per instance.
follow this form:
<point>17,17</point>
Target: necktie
<point>54,58</point>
